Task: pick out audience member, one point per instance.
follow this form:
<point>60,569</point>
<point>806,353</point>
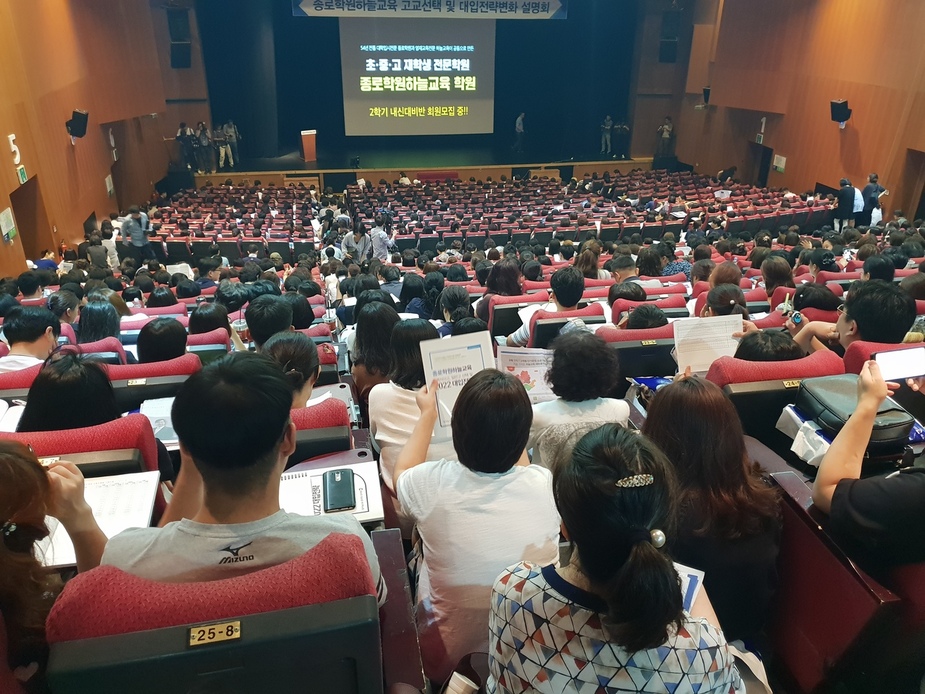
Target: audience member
<point>768,345</point>
<point>729,525</point>
<point>617,604</point>
<point>267,315</point>
<point>453,306</point>
<point>98,320</point>
<point>65,305</point>
<point>161,339</point>
<point>504,279</point>
<point>372,353</point>
<point>475,516</point>
<point>583,374</point>
<point>878,267</point>
<point>227,491</point>
<point>32,334</point>
<point>565,290</point>
<point>297,355</point>
<point>645,316</point>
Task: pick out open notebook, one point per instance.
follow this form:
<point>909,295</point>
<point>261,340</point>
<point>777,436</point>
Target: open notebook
<point>301,492</point>
<point>118,502</point>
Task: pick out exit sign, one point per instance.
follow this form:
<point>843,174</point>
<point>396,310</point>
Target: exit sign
<point>21,174</point>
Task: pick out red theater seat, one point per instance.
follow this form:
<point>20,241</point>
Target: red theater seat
<point>860,351</point>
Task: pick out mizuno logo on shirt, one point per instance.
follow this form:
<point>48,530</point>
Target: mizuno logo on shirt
<point>235,553</point>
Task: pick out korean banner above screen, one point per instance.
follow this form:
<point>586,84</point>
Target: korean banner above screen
<point>449,9</point>
<point>418,77</point>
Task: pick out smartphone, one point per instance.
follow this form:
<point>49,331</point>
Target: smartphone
<point>339,494</point>
<point>901,364</point>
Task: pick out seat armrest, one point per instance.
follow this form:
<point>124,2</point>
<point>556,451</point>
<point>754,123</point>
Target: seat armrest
<point>401,650</point>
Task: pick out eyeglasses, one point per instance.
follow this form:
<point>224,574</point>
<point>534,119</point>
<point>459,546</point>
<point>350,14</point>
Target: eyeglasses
<point>21,537</point>
<point>841,309</point>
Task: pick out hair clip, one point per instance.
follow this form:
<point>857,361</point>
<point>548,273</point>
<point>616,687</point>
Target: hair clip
<point>635,481</point>
<point>657,538</point>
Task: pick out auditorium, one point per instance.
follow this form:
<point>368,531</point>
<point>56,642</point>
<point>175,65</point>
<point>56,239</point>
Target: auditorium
<point>462,347</point>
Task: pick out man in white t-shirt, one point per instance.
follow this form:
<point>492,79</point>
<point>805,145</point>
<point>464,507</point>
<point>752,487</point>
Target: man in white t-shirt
<point>32,333</point>
<point>475,516</point>
<point>224,518</point>
<point>566,287</point>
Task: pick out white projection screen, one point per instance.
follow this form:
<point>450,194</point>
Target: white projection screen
<point>418,76</point>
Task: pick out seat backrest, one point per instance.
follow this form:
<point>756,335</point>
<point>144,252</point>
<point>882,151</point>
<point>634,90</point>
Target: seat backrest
<point>108,345</point>
<point>726,370</point>
<point>780,294</point>
<point>840,277</point>
<point>321,429</point>
<point>591,310</point>
<point>219,336</point>
<point>311,620</point>
<point>176,309</point>
<point>135,383</point>
<point>860,351</point>
<point>506,321</point>
<point>819,588</point>
<point>19,380</point>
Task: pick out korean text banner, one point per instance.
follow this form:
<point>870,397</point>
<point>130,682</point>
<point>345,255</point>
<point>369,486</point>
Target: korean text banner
<point>458,9</point>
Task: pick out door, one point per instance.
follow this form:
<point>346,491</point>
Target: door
<point>759,164</point>
<point>32,225</point>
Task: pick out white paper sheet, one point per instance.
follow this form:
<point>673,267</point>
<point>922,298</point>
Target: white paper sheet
<point>157,410</point>
<point>701,341</point>
<point>118,502</point>
<point>691,583</point>
<point>529,366</point>
<point>452,362</point>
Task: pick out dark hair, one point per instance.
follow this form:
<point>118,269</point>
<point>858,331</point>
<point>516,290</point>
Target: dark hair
<point>98,320</point>
<point>207,414</point>
<point>727,300</point>
<point>131,294</point>
<point>208,316</point>
<point>407,366</point>
<point>455,301</point>
<point>433,286</point>
<point>824,260</point>
<point>812,295</point>
<point>372,347</point>
<point>69,392</point>
<point>631,291</point>
<point>610,527</point>
<point>726,273</point>
<point>504,278</point>
<point>187,289</point>
<point>7,304</point>
<point>61,302</point>
<point>29,323</point>
<point>583,367</point>
<point>879,268</point>
<point>568,284</point>
<point>161,296</point>
<point>232,295</point>
<point>649,262</point>
<point>776,272</point>
<point>464,326</point>
<point>412,287</point>
<point>302,313</point>
<point>768,345</point>
<point>297,354</point>
<point>267,315</point>
<point>882,311</point>
<point>161,339</point>
<point>914,285</point>
<point>646,316</point>
<point>29,282</point>
<point>719,483</point>
<point>491,422</point>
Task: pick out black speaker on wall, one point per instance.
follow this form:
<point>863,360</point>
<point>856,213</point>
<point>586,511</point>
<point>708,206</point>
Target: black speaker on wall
<point>77,125</point>
<point>706,95</point>
<point>178,24</point>
<point>668,51</point>
<point>840,111</point>
<point>181,55</point>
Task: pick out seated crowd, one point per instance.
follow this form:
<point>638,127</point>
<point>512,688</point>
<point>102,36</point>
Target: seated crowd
<point>522,520</point>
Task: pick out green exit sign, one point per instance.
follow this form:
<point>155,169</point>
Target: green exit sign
<point>21,173</point>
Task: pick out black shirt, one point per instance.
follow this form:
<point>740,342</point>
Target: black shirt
<point>740,575</point>
<point>880,521</point>
<point>871,195</point>
<point>845,199</point>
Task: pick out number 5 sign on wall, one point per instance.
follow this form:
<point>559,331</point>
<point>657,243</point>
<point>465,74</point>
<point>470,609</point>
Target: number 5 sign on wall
<point>14,148</point>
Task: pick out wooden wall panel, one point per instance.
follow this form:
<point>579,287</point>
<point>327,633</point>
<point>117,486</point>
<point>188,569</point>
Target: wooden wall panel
<point>61,55</point>
<point>794,57</point>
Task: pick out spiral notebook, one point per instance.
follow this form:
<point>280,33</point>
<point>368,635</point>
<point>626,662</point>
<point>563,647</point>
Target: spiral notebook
<point>118,502</point>
<point>303,492</point>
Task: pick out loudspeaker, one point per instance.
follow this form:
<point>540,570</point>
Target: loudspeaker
<point>840,111</point>
<point>180,55</point>
<point>706,95</point>
<point>77,125</point>
<point>668,51</point>
<point>178,24</point>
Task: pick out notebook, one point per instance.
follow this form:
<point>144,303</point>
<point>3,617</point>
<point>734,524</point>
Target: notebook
<point>118,502</point>
<point>302,492</point>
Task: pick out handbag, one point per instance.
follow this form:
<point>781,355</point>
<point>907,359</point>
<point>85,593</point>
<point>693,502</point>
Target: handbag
<point>831,400</point>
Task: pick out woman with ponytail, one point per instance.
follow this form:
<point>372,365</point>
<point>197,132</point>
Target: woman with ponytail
<point>453,305</point>
<point>725,300</point>
<point>426,306</point>
<point>297,354</point>
<point>617,606</point>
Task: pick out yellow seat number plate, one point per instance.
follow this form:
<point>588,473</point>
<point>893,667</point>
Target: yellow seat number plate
<point>213,633</point>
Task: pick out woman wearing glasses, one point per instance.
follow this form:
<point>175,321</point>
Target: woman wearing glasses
<point>28,493</point>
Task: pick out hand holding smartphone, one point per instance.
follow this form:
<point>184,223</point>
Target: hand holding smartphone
<point>901,364</point>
